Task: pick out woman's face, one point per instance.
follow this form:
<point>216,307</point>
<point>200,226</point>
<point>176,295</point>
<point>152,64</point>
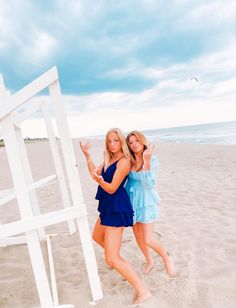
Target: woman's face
<point>113,142</point>
<point>135,145</point>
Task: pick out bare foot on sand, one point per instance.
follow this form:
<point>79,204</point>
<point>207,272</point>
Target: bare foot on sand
<point>148,267</point>
<point>170,267</point>
<point>140,298</point>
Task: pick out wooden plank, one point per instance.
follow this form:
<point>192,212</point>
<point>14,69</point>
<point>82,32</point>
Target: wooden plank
<point>14,240</point>
<point>28,177</point>
<point>33,243</point>
<point>9,194</point>
<point>89,257</point>
<point>66,144</point>
<point>44,220</point>
<point>76,191</point>
<point>7,198</point>
<point>57,163</point>
<point>52,272</point>
<point>42,182</point>
<point>2,85</point>
<point>14,101</point>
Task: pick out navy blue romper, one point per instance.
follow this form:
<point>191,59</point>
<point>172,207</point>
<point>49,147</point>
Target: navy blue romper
<point>115,209</point>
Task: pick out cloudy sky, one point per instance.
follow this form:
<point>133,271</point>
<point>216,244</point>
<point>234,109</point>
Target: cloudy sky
<point>124,63</point>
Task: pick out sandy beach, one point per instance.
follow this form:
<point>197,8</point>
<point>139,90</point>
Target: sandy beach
<point>197,186</point>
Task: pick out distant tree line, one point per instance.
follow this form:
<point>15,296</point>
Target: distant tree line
<point>27,140</point>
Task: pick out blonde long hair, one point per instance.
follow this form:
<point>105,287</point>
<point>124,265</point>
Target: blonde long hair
<point>108,156</point>
<point>140,137</point>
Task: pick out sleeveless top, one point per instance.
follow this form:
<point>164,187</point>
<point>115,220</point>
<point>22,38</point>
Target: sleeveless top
<point>115,209</point>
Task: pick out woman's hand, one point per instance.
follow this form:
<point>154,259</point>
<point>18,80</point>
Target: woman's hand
<point>85,148</point>
<point>98,178</point>
<point>147,154</point>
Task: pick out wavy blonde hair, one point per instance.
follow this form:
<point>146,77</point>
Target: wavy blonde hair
<point>140,137</point>
<point>108,156</point>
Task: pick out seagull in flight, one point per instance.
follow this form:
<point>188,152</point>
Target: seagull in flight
<point>194,78</point>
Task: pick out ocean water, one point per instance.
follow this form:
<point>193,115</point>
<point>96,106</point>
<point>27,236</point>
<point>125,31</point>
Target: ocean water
<point>213,133</point>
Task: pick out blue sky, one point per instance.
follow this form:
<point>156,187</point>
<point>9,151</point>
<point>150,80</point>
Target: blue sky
<point>125,63</point>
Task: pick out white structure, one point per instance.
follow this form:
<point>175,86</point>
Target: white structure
<point>32,223</point>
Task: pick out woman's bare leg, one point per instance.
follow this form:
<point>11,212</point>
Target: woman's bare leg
<point>138,233</point>
<point>99,233</point>
<point>149,240</point>
<point>113,236</point>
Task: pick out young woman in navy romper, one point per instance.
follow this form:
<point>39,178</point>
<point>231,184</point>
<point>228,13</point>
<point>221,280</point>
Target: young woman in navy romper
<point>114,206</point>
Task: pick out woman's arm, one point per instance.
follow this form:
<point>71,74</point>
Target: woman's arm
<point>122,169</point>
<point>90,164</point>
<point>147,155</point>
<point>149,176</point>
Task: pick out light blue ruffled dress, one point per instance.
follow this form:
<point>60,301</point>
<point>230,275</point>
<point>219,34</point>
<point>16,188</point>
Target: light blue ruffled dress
<point>142,191</point>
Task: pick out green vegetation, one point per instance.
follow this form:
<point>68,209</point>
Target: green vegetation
<point>27,140</point>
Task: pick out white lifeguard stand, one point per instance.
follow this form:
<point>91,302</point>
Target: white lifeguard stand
<point>32,223</point>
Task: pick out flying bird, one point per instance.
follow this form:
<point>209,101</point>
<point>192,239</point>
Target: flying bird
<point>194,78</point>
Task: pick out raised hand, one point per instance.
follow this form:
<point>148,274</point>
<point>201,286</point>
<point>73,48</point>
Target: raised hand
<point>85,148</point>
<point>98,178</point>
<point>147,154</point>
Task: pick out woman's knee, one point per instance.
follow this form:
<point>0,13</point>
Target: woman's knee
<point>111,260</point>
<point>148,241</point>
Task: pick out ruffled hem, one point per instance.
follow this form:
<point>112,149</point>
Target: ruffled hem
<point>146,215</point>
<point>115,208</point>
<point>115,219</point>
<point>117,202</point>
<point>141,199</point>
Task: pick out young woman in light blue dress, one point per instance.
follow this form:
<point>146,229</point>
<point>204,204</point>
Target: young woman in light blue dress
<point>141,188</point>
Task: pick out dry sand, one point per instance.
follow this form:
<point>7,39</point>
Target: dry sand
<point>197,185</point>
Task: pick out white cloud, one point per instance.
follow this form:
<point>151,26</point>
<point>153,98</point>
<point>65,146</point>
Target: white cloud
<point>216,10</point>
<point>22,35</point>
<point>215,72</point>
<point>175,100</point>
<point>5,26</point>
<point>41,47</point>
<point>209,67</point>
<point>208,14</point>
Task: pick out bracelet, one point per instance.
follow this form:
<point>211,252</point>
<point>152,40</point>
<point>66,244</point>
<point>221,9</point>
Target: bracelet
<point>101,180</point>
